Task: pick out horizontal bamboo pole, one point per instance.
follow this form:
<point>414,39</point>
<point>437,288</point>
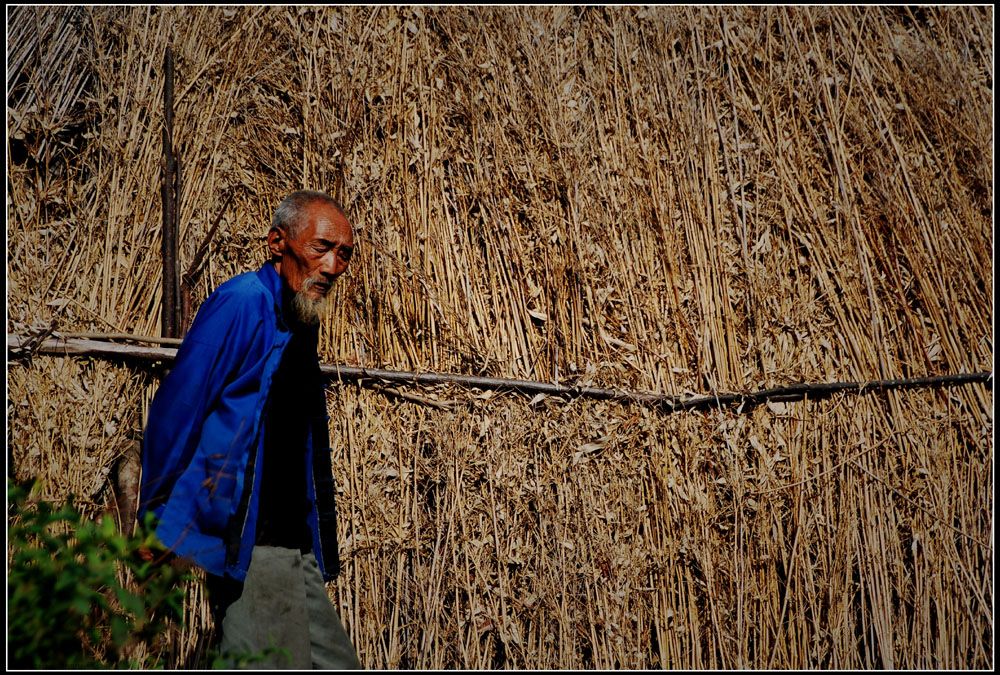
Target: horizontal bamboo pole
<point>19,346</point>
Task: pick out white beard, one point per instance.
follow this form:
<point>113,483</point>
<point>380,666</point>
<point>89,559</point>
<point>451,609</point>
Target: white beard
<point>308,310</point>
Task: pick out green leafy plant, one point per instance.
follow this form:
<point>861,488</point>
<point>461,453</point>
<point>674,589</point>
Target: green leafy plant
<point>67,603</point>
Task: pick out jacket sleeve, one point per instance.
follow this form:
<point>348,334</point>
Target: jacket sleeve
<point>224,337</point>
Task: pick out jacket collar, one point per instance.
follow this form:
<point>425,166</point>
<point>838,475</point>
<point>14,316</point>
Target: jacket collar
<point>274,284</point>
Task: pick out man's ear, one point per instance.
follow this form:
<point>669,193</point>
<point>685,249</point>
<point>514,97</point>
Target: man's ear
<point>276,242</point>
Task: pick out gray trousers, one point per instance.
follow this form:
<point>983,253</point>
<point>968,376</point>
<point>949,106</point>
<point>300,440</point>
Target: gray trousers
<point>284,618</point>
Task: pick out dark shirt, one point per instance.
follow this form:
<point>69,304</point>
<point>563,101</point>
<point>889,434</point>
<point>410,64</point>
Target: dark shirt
<point>292,404</point>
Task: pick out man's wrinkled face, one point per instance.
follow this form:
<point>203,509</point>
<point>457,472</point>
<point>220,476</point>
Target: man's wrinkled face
<point>311,261</point>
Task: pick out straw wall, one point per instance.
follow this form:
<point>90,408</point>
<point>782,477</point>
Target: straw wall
<point>670,199</point>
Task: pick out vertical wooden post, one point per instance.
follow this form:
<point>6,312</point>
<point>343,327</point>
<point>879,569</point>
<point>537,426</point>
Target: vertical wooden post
<point>169,184</point>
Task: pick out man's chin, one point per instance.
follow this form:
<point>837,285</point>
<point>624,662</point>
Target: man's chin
<point>308,309</point>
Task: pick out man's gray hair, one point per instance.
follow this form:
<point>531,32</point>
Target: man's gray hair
<point>288,215</point>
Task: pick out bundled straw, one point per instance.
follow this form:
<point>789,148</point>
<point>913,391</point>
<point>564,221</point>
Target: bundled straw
<point>676,200</point>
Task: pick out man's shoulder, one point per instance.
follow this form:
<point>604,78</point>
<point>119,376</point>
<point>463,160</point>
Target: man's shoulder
<point>239,300</point>
<point>243,288</point>
<point>247,283</point>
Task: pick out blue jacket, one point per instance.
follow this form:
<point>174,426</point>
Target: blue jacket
<point>204,437</point>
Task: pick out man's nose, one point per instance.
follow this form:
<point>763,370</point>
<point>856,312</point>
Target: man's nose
<point>333,265</point>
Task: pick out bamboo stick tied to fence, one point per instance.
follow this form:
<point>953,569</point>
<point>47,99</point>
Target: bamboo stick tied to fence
<point>170,194</point>
<point>19,346</point>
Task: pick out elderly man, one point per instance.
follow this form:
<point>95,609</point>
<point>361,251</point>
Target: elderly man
<point>236,457</point>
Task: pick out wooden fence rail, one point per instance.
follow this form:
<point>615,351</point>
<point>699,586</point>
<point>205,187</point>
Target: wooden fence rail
<point>19,346</point>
